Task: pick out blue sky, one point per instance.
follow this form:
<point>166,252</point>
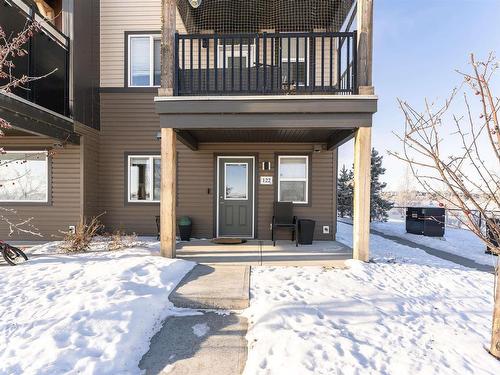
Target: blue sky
<point>418,44</point>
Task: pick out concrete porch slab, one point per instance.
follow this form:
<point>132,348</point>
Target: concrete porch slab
<point>208,344</point>
<point>263,253</point>
<point>214,287</point>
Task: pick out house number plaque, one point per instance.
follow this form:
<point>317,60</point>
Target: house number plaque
<point>266,180</point>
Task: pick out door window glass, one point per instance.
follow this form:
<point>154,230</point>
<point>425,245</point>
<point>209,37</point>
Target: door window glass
<point>236,181</point>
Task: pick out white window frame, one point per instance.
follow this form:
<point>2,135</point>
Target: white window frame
<point>249,54</point>
<point>152,38</point>
<point>151,178</point>
<point>297,59</point>
<point>225,182</point>
<point>306,179</point>
<point>47,160</point>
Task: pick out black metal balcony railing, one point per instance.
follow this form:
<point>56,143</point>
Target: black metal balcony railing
<point>264,63</point>
<point>48,51</point>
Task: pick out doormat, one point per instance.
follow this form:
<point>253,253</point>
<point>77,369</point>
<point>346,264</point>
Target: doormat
<point>228,241</point>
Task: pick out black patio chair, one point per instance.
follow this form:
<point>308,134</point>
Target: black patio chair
<point>283,218</point>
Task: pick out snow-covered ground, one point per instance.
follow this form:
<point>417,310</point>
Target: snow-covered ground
<point>456,241</point>
<point>91,313</point>
<point>405,313</point>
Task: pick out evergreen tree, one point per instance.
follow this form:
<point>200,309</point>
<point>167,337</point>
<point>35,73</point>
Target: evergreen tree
<point>378,205</point>
<point>345,192</point>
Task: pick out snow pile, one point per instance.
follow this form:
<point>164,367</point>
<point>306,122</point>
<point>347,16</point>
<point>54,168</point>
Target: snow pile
<point>456,241</point>
<point>415,315</point>
<point>91,313</point>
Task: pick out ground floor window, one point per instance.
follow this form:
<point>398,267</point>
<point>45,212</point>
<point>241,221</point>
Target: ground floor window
<point>144,178</point>
<point>293,178</point>
<point>24,176</point>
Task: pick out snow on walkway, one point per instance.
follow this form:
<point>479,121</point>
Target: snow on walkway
<point>408,313</point>
<point>455,241</point>
<point>91,313</point>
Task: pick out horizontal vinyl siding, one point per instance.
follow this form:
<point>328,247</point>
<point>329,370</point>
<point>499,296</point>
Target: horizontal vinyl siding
<point>64,208</point>
<point>89,144</point>
<point>130,124</point>
<point>118,16</point>
<point>323,184</point>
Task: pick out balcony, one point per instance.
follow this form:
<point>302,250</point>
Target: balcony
<point>48,51</point>
<point>266,64</point>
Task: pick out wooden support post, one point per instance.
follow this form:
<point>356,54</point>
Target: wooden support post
<point>168,193</point>
<point>168,26</point>
<point>365,46</point>
<point>361,205</point>
<point>168,136</point>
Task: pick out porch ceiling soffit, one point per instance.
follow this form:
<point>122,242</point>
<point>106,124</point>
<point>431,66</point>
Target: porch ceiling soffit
<point>266,112</point>
<point>333,138</point>
<point>31,118</point>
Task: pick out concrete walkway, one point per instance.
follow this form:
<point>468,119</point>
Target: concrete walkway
<point>214,287</point>
<point>208,343</point>
<point>457,259</point>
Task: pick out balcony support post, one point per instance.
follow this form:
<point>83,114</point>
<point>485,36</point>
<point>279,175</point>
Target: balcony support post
<point>168,15</point>
<point>365,46</point>
<point>168,135</point>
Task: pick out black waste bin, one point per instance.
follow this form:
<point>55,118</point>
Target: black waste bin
<point>306,231</point>
<point>429,221</point>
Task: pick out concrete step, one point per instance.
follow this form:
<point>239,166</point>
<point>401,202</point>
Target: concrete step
<point>211,344</point>
<point>214,287</point>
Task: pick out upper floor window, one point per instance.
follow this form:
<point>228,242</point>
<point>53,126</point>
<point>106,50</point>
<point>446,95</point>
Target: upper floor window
<point>24,176</point>
<point>236,54</point>
<point>293,60</point>
<point>144,67</point>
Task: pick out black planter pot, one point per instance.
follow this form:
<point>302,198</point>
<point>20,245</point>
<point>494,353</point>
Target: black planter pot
<point>185,232</point>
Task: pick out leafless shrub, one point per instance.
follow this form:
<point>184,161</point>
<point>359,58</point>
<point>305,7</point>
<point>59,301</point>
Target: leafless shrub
<point>456,158</point>
<point>80,240</point>
<point>120,240</point>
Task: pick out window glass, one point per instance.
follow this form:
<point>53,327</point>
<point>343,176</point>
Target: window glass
<point>236,181</point>
<point>292,167</point>
<point>140,61</point>
<point>295,63</point>
<point>292,191</point>
<point>156,179</point>
<point>144,178</point>
<point>235,55</point>
<point>139,179</point>
<point>293,179</point>
<point>235,61</point>
<point>157,62</point>
<point>24,177</point>
<point>293,49</point>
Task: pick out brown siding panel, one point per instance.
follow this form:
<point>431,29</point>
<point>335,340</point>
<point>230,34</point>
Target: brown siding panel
<point>64,207</point>
<point>129,124</point>
<point>89,144</point>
